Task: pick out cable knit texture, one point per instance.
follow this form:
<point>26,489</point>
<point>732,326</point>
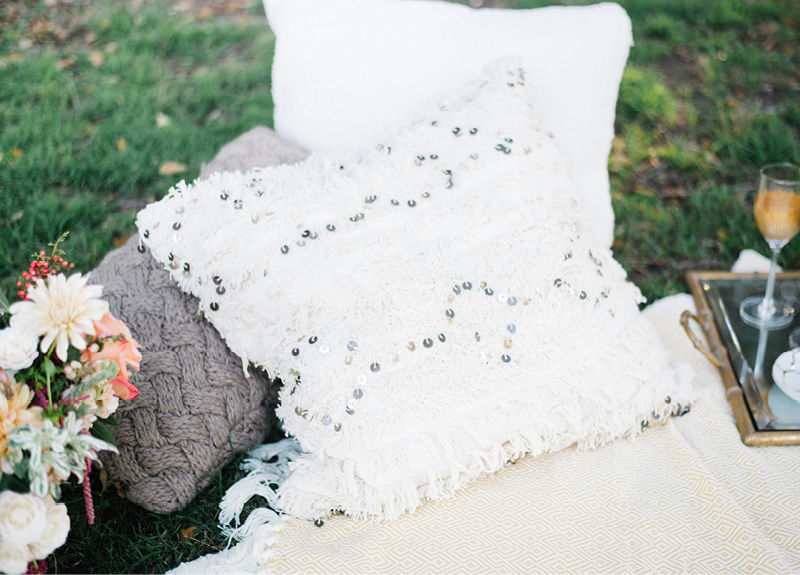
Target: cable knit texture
<point>196,408</point>
<point>435,307</point>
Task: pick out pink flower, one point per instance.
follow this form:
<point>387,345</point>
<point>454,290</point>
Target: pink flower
<point>124,389</point>
<point>125,351</point>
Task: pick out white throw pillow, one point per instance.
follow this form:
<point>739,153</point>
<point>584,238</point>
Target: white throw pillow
<point>348,73</point>
<point>434,307</point>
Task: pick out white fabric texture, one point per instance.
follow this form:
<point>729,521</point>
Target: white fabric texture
<point>436,309</point>
<point>350,73</point>
<point>686,497</point>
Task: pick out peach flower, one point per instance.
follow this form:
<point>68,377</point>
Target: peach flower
<point>124,352</point>
<point>15,409</point>
<point>124,389</point>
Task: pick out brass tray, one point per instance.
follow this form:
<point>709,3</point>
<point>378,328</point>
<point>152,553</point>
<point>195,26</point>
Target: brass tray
<point>763,413</point>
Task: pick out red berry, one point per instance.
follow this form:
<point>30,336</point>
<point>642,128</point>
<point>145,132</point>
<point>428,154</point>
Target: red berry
<point>27,286</point>
<point>21,294</point>
<point>71,265</point>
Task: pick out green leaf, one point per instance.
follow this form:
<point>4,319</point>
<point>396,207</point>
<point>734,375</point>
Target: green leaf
<point>100,431</point>
<point>13,483</point>
<point>110,420</point>
<point>49,367</point>
<point>4,305</point>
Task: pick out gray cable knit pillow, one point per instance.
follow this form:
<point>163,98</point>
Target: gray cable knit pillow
<point>195,407</point>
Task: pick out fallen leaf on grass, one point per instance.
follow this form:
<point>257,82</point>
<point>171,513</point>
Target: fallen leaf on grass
<point>96,58</point>
<point>722,235</point>
<point>205,13</point>
<point>17,153</point>
<point>119,240</point>
<point>188,533</point>
<point>106,482</point>
<point>65,63</point>
<point>16,216</point>
<point>673,192</point>
<point>15,57</point>
<point>162,120</point>
<point>171,168</point>
<point>122,144</point>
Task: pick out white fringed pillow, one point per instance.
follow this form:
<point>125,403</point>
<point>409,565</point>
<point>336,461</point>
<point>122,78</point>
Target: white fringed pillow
<point>348,73</point>
<point>435,307</point>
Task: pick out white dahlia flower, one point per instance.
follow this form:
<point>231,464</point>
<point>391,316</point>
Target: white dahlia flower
<point>61,311</point>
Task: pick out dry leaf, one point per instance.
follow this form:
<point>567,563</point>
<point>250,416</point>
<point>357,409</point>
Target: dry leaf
<point>122,144</point>
<point>17,153</point>
<point>162,120</point>
<point>722,235</point>
<point>110,48</point>
<point>171,168</point>
<point>96,58</point>
<point>205,13</point>
<point>15,57</point>
<point>188,533</point>
<point>16,216</point>
<point>214,115</point>
<point>119,240</point>
<point>65,63</point>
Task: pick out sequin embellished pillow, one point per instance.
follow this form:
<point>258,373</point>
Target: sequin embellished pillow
<point>435,307</point>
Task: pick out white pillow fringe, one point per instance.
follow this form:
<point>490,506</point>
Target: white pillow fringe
<point>267,465</point>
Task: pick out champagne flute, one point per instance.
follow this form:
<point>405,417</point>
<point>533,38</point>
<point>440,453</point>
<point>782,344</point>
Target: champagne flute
<point>777,213</point>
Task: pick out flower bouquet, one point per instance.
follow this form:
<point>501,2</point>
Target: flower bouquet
<point>64,366</point>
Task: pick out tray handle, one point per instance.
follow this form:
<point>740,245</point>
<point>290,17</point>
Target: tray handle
<point>685,317</point>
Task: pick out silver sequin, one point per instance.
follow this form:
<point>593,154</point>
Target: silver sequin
<point>512,301</point>
<point>511,328</point>
<point>358,393</point>
<point>352,346</point>
<point>375,367</point>
<point>427,342</point>
<point>506,358</point>
<point>450,313</point>
<point>326,420</point>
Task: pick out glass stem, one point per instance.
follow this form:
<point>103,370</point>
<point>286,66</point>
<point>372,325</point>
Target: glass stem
<point>768,304</point>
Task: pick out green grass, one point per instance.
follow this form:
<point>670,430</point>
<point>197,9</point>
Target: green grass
<point>711,92</point>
